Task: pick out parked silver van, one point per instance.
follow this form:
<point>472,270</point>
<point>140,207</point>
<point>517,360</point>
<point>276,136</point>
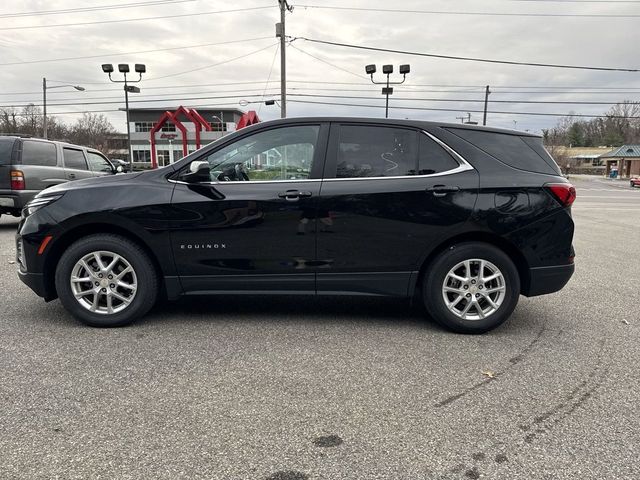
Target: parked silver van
<point>29,165</point>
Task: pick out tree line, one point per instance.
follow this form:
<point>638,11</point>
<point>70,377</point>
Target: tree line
<point>620,125</point>
<point>91,130</point>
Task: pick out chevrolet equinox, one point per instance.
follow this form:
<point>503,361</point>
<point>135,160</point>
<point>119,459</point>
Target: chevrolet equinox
<point>464,218</point>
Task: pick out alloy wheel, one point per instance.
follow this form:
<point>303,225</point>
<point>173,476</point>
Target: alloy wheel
<point>474,289</point>
<point>103,282</point>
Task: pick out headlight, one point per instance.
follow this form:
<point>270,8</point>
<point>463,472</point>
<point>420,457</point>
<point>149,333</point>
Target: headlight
<point>37,203</point>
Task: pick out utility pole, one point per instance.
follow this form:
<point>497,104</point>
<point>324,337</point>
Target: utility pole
<point>486,104</point>
<point>280,32</point>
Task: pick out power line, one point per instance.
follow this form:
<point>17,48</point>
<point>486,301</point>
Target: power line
<point>211,65</point>
<point>94,8</point>
<point>132,53</point>
<point>312,95</point>
<point>543,90</point>
<point>484,14</point>
<point>123,20</point>
<point>466,110</point>
<point>266,84</point>
<point>326,62</point>
<point>469,59</point>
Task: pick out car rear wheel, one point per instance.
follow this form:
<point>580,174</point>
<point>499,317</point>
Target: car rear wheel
<point>471,288</point>
<point>106,280</point>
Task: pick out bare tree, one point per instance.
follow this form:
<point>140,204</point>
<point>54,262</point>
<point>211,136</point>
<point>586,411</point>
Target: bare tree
<point>91,130</point>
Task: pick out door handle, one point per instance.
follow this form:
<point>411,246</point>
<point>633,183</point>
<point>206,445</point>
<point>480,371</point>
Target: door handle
<point>293,195</point>
<point>442,190</point>
<point>72,175</point>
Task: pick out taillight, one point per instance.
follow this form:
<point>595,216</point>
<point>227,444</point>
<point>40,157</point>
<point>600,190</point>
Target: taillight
<point>17,180</point>
<point>565,193</point>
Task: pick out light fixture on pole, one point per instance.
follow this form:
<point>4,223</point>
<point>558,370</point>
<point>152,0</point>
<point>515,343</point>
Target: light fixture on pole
<point>124,69</point>
<point>216,117</point>
<point>46,87</point>
<point>387,70</point>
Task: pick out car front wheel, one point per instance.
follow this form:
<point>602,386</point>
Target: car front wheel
<point>471,288</point>
<point>106,280</point>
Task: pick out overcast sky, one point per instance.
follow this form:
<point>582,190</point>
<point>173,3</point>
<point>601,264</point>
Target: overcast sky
<point>603,40</point>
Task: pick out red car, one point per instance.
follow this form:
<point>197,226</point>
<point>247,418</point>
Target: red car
<point>634,182</point>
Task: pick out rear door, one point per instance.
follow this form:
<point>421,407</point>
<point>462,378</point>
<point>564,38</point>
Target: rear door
<point>40,165</point>
<point>390,194</point>
<point>6,154</point>
<point>75,163</point>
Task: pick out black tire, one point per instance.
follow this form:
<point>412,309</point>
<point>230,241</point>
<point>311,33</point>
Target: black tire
<point>146,279</point>
<point>436,274</point>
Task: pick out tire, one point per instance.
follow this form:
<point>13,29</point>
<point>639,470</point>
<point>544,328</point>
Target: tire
<point>482,315</point>
<point>131,267</point>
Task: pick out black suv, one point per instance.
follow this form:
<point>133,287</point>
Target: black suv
<point>465,218</point>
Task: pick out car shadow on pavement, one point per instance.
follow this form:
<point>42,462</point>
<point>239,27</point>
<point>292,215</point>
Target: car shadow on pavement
<point>288,308</point>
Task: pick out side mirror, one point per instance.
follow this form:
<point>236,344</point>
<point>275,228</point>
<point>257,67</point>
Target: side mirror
<point>198,171</point>
<point>119,169</point>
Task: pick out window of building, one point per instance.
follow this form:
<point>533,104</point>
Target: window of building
<point>38,153</point>
<point>168,127</point>
<point>366,151</point>
<point>142,156</point>
<point>74,159</point>
<point>162,156</point>
<point>177,154</point>
<point>218,127</point>
<point>143,126</point>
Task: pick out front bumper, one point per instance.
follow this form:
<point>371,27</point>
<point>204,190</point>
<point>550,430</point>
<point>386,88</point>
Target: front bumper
<point>35,281</point>
<point>544,280</point>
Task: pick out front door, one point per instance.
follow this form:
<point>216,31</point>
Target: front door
<point>252,226</point>
<point>396,192</point>
<point>75,164</point>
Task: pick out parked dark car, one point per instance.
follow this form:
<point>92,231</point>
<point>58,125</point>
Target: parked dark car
<point>29,165</point>
<point>464,218</point>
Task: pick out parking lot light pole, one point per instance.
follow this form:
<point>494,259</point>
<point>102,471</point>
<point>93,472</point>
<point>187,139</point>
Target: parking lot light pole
<point>124,69</point>
<point>387,70</point>
<point>46,87</point>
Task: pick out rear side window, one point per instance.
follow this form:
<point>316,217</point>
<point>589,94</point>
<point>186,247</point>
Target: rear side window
<point>512,150</point>
<point>6,147</point>
<point>434,158</point>
<point>366,151</point>
<point>38,153</point>
<point>74,159</point>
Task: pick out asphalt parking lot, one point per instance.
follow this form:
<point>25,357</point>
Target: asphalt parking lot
<point>302,388</point>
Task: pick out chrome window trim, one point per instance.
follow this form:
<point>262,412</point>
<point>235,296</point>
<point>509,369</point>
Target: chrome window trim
<point>244,182</point>
<point>463,166</point>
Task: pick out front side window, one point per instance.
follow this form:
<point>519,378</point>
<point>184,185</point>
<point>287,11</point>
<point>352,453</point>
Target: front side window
<point>98,163</point>
<point>74,159</point>
<point>39,153</point>
<point>284,153</point>
<point>369,151</point>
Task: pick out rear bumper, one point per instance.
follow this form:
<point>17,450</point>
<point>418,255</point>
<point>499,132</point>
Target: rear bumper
<point>543,280</point>
<point>15,200</point>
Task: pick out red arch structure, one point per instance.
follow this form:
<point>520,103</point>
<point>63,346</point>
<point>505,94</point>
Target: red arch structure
<point>173,117</point>
<point>249,118</point>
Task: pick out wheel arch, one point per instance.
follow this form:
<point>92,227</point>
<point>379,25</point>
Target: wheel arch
<point>72,235</point>
<point>507,247</point>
